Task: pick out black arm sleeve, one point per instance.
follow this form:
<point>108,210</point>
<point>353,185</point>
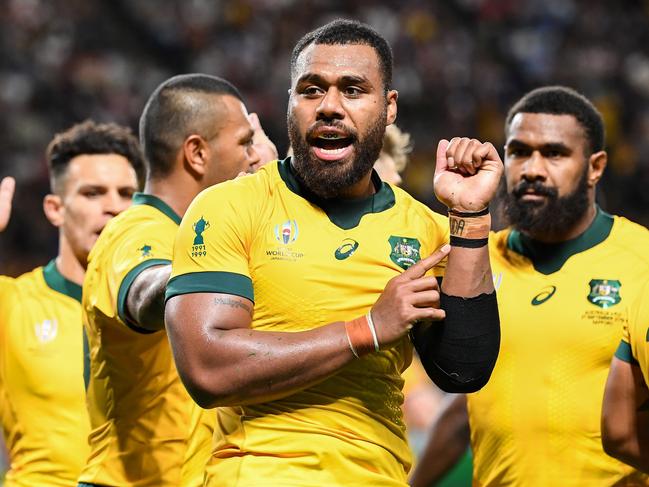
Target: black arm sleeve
<point>460,352</point>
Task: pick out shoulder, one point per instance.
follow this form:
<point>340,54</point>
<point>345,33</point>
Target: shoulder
<point>241,199</point>
<point>631,238</point>
<point>407,203</point>
<point>498,240</point>
<point>26,284</point>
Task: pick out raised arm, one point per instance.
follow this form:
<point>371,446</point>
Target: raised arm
<point>448,440</point>
<point>7,187</point>
<point>625,414</point>
<point>459,354</point>
<point>222,361</point>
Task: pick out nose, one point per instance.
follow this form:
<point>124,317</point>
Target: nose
<point>114,203</point>
<point>253,159</point>
<point>534,168</point>
<point>330,107</point>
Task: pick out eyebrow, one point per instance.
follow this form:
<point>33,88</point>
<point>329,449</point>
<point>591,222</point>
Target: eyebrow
<point>249,134</point>
<point>347,79</point>
<point>550,146</point>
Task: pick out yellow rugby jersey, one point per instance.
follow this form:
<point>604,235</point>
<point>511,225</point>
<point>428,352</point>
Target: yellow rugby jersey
<point>537,421</point>
<point>304,267</point>
<point>635,336</point>
<point>42,394</point>
<point>139,410</point>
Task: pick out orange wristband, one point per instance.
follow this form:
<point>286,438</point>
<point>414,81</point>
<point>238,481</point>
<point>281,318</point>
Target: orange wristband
<point>360,336</point>
<point>470,227</point>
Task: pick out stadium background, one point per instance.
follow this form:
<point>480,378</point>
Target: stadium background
<point>458,65</point>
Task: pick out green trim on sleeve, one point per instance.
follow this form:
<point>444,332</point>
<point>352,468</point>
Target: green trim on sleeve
<point>126,285</point>
<point>211,282</point>
<point>625,354</point>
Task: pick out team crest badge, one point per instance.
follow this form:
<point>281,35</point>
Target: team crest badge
<point>604,292</point>
<point>46,331</point>
<point>404,250</point>
<point>287,232</point>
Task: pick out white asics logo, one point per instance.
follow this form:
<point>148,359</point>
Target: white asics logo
<point>46,331</point>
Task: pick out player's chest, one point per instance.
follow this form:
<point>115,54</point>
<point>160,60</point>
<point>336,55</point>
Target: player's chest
<point>43,350</point>
<point>306,256</point>
<point>589,304</point>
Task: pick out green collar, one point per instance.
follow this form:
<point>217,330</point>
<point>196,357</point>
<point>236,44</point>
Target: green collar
<point>157,203</point>
<point>345,214</point>
<point>549,258</point>
<point>55,280</point>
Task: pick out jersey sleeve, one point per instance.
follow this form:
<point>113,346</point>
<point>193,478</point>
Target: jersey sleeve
<point>149,245</point>
<point>440,235</point>
<point>638,323</point>
<point>212,248</point>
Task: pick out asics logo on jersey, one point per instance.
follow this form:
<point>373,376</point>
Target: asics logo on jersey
<point>544,295</point>
<point>347,248</point>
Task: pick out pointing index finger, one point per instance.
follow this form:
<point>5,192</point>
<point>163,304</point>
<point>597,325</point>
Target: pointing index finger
<point>419,269</point>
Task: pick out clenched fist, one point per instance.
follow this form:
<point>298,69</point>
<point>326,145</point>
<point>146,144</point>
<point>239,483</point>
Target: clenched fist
<point>467,173</point>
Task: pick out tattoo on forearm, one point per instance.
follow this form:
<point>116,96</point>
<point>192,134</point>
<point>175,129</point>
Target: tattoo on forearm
<point>233,303</point>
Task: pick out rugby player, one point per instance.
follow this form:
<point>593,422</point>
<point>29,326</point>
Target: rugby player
<point>44,418</point>
<point>195,132</point>
<point>568,276</point>
<point>291,310</point>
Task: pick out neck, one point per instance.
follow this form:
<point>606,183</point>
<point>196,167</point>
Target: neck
<point>175,190</point>
<point>573,232</point>
<point>68,264</point>
<point>361,189</point>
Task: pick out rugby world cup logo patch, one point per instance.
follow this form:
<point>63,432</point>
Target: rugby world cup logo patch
<point>46,331</point>
<point>287,232</point>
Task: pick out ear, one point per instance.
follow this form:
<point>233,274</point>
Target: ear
<point>596,165</point>
<point>196,154</point>
<point>392,106</point>
<point>54,209</point>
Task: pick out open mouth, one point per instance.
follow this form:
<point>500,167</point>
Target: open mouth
<point>331,144</point>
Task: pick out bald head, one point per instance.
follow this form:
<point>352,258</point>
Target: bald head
<point>184,105</point>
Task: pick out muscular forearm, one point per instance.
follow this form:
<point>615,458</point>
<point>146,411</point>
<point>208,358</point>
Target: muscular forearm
<point>460,352</point>
<point>468,272</point>
<point>448,440</point>
<point>145,299</point>
<point>243,366</point>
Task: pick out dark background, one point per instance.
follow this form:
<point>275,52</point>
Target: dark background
<point>459,64</point>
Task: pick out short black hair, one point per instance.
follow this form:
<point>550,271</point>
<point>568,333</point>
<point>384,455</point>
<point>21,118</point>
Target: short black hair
<point>87,138</point>
<point>170,115</point>
<point>342,31</point>
<point>561,100</point>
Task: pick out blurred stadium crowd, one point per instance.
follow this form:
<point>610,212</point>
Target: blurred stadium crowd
<point>458,65</point>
